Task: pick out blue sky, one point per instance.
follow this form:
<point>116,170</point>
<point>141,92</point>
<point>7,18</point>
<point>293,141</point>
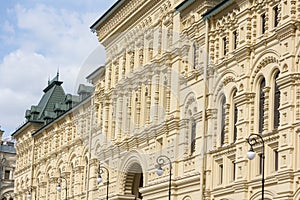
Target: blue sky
<point>37,39</point>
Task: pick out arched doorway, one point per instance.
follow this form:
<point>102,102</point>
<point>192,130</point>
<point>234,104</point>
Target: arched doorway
<point>134,181</point>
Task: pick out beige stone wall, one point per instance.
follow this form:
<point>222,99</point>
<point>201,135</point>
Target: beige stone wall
<point>56,150</point>
<point>257,55</point>
<point>153,89</point>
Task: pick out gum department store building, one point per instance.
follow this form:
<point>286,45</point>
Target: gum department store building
<point>187,79</point>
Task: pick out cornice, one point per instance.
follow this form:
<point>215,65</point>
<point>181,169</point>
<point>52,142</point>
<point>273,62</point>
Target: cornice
<point>129,13</point>
<point>140,138</point>
<point>286,30</point>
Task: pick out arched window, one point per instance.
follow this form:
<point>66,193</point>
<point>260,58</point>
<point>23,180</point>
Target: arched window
<point>193,136</point>
<point>276,103</point>
<point>235,117</point>
<point>223,102</point>
<point>194,55</point>
<point>86,173</point>
<point>72,180</point>
<point>261,105</point>
<point>191,124</point>
<point>147,105</point>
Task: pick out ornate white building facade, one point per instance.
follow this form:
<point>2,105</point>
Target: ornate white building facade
<point>187,79</point>
<point>192,80</point>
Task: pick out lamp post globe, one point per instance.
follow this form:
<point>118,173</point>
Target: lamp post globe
<point>159,171</point>
<point>251,154</point>
<point>28,196</point>
<point>99,179</point>
<point>58,188</point>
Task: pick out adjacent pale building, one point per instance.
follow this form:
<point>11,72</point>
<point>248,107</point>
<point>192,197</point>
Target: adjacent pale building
<point>190,80</point>
<point>7,167</point>
<point>50,151</point>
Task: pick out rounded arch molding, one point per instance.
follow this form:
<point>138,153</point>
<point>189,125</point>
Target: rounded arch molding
<point>134,162</point>
<point>263,61</point>
<point>190,103</point>
<point>297,194</point>
<point>187,198</point>
<point>268,195</point>
<point>226,80</point>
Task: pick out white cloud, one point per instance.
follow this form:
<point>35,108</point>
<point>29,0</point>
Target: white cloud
<point>59,33</point>
<point>47,38</point>
<point>7,27</point>
<point>13,108</point>
<point>19,68</point>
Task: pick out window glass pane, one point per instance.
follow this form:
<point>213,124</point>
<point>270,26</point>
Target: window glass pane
<point>276,160</point>
<point>275,10</point>
<point>263,23</point>
<point>276,104</point>
<point>221,173</point>
<point>6,174</point>
<point>261,106</point>
<point>193,137</point>
<point>223,121</point>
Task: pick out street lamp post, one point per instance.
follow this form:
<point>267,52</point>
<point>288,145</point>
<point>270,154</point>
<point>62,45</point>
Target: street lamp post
<point>161,161</point>
<point>99,179</point>
<point>251,154</point>
<point>59,186</point>
<point>30,188</point>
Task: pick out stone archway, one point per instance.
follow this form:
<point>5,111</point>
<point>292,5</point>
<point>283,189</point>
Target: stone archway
<point>134,180</point>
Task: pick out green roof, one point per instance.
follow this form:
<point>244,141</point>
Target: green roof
<point>53,104</point>
<point>53,94</point>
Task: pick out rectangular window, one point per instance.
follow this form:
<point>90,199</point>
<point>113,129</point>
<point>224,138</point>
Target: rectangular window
<point>159,145</point>
<point>193,137</point>
<point>233,170</point>
<point>235,121</point>
<point>224,46</point>
<point>261,106</point>
<point>276,105</point>
<point>223,121</point>
<point>263,23</point>
<point>195,55</point>
<point>221,173</point>
<point>235,39</point>
<point>6,174</point>
<point>275,11</point>
<point>276,160</point>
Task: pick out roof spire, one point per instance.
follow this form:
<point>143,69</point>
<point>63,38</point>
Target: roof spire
<point>57,75</point>
<point>48,80</point>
